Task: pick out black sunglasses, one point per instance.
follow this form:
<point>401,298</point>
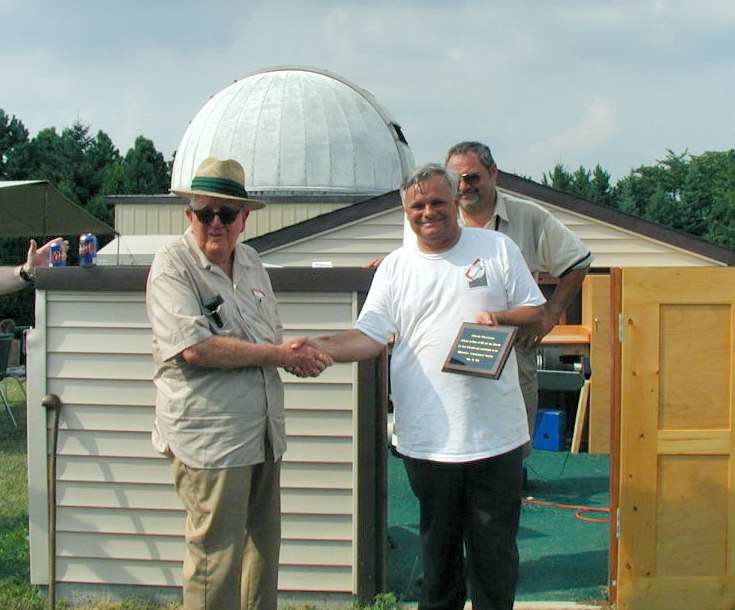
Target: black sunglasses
<point>226,214</point>
<point>471,177</point>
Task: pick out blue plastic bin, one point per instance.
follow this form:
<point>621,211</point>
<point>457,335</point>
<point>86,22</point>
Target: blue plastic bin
<point>549,432</point>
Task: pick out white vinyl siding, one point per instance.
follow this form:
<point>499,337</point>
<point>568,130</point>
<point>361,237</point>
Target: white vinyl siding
<point>168,219</point>
<point>352,245</point>
<point>119,520</point>
<point>356,244</point>
<point>615,247</point>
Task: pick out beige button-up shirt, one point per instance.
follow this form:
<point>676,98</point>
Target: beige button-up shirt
<point>546,244</point>
<point>210,417</point>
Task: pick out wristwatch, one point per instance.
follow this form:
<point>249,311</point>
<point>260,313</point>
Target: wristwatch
<point>26,275</point>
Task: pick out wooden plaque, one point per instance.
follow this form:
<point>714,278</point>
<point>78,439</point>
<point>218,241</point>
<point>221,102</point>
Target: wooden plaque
<point>480,350</point>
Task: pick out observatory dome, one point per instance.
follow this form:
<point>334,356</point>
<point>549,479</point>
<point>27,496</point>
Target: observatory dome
<point>298,131</point>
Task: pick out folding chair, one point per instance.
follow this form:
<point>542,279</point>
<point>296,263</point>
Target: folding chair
<point>17,373</point>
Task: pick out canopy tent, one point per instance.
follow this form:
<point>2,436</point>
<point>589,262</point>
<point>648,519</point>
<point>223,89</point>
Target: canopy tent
<point>37,208</point>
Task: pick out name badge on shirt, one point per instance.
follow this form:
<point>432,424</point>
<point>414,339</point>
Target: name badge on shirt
<point>475,274</point>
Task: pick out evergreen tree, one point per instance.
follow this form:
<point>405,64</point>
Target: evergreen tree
<point>13,146</point>
<point>721,227</point>
<point>601,189</point>
<point>146,171</point>
<point>582,183</point>
<point>709,181</point>
<point>559,178</point>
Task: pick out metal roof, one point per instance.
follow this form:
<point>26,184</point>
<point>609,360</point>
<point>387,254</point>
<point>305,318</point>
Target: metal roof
<point>30,208</point>
<point>301,130</point>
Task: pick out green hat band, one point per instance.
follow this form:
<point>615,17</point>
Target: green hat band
<point>223,186</point>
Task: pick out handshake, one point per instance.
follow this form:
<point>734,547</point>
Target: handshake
<point>305,357</point>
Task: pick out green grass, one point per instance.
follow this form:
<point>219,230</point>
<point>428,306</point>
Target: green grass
<point>16,592</point>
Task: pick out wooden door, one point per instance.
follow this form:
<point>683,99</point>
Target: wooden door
<point>677,447</point>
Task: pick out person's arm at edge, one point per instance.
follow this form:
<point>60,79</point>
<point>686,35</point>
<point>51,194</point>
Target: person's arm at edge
<point>11,279</point>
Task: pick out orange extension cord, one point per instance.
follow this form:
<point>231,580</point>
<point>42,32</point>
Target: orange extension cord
<point>581,510</point>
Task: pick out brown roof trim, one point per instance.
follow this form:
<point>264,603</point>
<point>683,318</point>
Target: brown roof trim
<point>146,199</point>
<point>133,279</point>
<point>325,222</point>
<point>615,217</point>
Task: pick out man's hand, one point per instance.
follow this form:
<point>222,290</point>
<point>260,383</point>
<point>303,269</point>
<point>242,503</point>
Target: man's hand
<point>39,257</point>
<point>375,263</point>
<point>304,359</point>
<point>488,318</point>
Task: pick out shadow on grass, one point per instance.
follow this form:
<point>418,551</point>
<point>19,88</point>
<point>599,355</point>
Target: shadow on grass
<point>575,490</point>
<point>562,572</point>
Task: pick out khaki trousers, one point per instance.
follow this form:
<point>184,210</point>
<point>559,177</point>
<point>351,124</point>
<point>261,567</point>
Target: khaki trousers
<point>528,379</point>
<point>233,535</point>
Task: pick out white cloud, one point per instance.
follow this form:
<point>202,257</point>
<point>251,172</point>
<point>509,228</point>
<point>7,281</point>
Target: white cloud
<point>596,126</point>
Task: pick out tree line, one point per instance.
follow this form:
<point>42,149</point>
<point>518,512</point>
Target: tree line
<point>690,193</point>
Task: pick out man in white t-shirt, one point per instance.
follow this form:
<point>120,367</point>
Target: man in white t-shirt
<point>460,436</point>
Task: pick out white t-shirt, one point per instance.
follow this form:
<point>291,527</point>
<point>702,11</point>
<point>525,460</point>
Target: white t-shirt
<point>422,299</point>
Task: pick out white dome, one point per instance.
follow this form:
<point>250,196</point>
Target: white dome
<point>298,131</point>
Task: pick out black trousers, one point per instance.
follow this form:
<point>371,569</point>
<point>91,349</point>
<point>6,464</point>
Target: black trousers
<point>475,506</point>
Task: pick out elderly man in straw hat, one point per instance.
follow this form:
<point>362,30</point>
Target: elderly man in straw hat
<point>219,406</point>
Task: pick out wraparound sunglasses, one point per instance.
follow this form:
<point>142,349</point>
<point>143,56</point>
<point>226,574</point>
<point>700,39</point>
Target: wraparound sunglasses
<point>226,214</point>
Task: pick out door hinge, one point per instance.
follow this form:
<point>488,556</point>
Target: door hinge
<point>617,524</point>
<point>621,332</point>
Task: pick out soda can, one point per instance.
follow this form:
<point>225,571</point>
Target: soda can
<point>56,255</point>
<point>87,250</point>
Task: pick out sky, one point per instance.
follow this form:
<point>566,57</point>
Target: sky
<point>587,82</point>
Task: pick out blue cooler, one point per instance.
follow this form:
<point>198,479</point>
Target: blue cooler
<point>549,432</point>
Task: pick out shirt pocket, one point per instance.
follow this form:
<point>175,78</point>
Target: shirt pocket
<point>268,309</point>
<point>223,321</point>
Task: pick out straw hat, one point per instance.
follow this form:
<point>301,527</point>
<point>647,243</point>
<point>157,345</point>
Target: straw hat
<point>224,179</point>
